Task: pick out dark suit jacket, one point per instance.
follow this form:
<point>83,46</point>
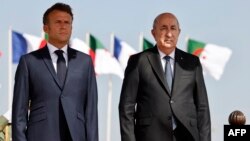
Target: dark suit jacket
<point>36,80</point>
<point>144,86</point>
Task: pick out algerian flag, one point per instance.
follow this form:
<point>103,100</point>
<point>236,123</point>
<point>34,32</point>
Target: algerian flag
<point>105,62</point>
<point>146,44</point>
<point>45,37</point>
<point>83,47</point>
<point>213,57</point>
<point>80,45</point>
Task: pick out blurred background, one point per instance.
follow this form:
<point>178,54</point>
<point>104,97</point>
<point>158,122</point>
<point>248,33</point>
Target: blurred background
<point>223,23</point>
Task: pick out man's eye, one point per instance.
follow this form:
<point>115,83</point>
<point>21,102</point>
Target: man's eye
<point>163,28</point>
<point>173,28</point>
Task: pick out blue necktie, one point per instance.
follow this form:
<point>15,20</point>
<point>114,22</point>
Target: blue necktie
<point>61,66</point>
<point>169,77</point>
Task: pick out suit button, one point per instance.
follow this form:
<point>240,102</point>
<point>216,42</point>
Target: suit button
<point>171,101</point>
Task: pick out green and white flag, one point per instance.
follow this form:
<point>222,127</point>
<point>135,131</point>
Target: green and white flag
<point>146,44</point>
<point>104,61</point>
<point>213,57</point>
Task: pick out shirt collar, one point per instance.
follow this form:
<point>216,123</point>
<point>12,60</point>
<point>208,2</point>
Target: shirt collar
<point>52,48</point>
<point>172,54</point>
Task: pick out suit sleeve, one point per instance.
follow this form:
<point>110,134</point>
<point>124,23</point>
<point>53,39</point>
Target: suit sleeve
<point>204,123</point>
<point>91,106</point>
<point>128,101</point>
<point>20,102</point>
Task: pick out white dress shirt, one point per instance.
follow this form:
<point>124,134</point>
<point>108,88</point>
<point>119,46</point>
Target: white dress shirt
<point>163,61</point>
<point>53,55</point>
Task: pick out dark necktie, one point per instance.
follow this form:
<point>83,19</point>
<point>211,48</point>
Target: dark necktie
<point>61,66</point>
<point>168,72</point>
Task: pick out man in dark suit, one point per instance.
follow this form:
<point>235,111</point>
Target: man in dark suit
<point>163,96</point>
<point>60,85</point>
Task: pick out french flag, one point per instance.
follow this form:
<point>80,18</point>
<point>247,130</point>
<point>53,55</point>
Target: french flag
<point>122,51</point>
<point>23,43</point>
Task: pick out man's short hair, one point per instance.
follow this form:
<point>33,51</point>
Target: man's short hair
<point>58,6</point>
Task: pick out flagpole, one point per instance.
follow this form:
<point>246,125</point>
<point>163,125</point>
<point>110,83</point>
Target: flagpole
<point>186,40</point>
<point>110,86</point>
<point>112,39</point>
<point>141,42</point>
<point>10,69</point>
<point>109,108</point>
<point>87,38</point>
<point>42,34</point>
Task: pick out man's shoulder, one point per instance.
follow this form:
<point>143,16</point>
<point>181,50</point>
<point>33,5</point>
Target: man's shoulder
<point>184,54</point>
<point>141,58</point>
<point>186,59</point>
<point>145,52</point>
<point>36,53</point>
<point>78,53</point>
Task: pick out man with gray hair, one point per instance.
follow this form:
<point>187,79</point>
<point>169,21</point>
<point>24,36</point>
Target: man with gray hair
<point>163,96</point>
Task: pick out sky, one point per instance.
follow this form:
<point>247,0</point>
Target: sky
<point>225,23</point>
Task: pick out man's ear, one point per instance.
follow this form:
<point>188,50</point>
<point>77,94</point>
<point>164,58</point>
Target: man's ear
<point>153,32</point>
<point>45,28</point>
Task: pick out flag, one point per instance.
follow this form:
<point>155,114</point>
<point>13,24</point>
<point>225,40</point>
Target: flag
<point>104,63</point>
<point>45,37</point>
<point>122,52</point>
<point>79,45</point>
<point>82,46</point>
<point>23,43</point>
<point>1,53</point>
<point>213,57</point>
<point>146,44</point>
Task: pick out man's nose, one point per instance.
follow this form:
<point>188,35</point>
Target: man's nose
<point>169,33</point>
<point>63,25</point>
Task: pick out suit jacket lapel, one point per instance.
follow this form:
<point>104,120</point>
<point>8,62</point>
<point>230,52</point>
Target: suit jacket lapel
<point>70,67</point>
<point>47,60</point>
<point>178,69</point>
<point>154,59</point>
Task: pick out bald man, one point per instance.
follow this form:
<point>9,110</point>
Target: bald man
<point>163,97</point>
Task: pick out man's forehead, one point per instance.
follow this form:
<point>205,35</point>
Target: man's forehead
<point>168,19</point>
<point>167,22</point>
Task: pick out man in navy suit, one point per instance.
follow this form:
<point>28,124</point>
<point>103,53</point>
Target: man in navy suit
<point>163,96</point>
<point>58,84</point>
